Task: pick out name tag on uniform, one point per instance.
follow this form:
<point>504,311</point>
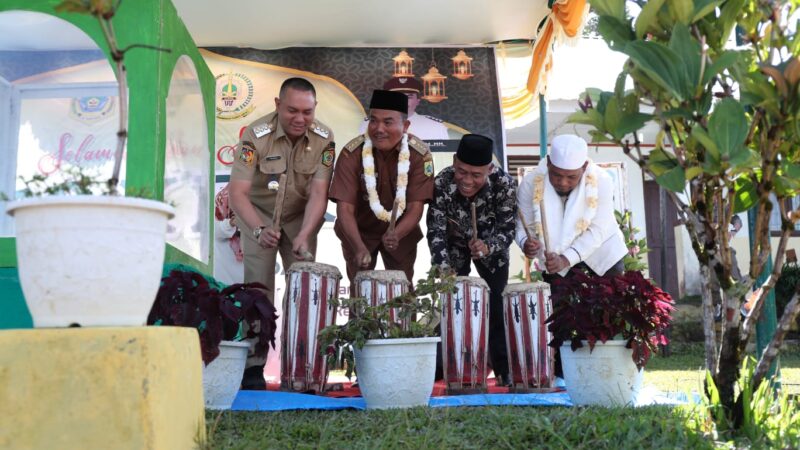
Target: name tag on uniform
<point>272,158</point>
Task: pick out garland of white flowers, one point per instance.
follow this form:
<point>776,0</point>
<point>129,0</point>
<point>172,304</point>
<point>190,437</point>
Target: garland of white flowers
<point>403,165</point>
<point>590,196</point>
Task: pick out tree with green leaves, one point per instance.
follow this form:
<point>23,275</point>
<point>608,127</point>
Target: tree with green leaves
<point>729,137</point>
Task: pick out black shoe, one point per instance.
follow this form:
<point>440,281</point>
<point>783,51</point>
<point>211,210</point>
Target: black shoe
<point>502,380</point>
<point>253,379</point>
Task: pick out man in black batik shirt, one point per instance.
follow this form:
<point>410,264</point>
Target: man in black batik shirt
<point>474,179</point>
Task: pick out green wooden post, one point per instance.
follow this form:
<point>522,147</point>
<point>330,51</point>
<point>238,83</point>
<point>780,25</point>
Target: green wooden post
<point>768,322</point>
<point>542,127</point>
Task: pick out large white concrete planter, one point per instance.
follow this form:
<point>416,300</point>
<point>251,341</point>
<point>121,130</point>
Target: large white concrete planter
<point>605,377</point>
<point>396,373</point>
<point>90,260</point>
<point>223,376</point>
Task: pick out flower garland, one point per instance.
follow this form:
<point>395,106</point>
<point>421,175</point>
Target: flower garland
<point>403,165</point>
<point>590,197</point>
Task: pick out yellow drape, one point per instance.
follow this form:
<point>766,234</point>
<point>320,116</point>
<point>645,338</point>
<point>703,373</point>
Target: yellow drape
<point>520,95</point>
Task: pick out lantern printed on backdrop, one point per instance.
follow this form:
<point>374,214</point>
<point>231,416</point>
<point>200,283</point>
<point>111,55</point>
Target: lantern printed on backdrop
<point>234,96</point>
<point>403,65</point>
<point>433,83</point>
<point>462,66</point>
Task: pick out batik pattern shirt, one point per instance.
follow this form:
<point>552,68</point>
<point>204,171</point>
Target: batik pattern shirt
<point>450,220</point>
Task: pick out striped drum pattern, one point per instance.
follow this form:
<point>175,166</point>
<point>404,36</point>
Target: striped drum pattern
<point>465,336</point>
<point>526,306</point>
<point>307,310</point>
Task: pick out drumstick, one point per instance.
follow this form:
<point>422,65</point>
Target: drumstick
<point>307,256</point>
<point>524,224</point>
<point>545,237</point>
<point>474,222</point>
<point>276,216</point>
<point>393,220</point>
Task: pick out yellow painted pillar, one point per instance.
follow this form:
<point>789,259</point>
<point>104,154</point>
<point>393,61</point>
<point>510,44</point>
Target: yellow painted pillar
<point>101,388</point>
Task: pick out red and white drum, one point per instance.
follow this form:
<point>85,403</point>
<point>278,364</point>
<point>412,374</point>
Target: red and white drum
<point>379,286</point>
<point>526,306</point>
<point>306,311</point>
<point>465,336</point>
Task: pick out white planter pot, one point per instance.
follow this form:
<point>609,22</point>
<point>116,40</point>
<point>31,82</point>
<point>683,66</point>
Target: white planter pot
<point>606,377</point>
<point>223,376</point>
<point>396,373</point>
<point>90,260</point>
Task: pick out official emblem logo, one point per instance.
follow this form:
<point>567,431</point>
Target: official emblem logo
<point>92,108</point>
<point>234,96</point>
<point>328,155</point>
<point>428,168</point>
<point>247,155</point>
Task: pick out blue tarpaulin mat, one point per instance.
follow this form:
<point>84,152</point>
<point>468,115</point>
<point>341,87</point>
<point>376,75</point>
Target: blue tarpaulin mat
<point>284,401</point>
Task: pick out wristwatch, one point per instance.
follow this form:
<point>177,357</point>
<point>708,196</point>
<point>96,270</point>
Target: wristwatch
<point>257,231</point>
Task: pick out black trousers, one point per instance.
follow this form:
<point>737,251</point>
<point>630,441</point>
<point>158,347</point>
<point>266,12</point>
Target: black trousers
<point>497,281</point>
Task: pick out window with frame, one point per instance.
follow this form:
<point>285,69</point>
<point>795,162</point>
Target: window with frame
<point>775,218</point>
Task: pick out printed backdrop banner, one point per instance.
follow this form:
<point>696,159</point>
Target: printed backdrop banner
<point>459,95</point>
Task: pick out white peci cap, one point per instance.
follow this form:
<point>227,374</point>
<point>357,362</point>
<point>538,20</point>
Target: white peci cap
<point>568,152</point>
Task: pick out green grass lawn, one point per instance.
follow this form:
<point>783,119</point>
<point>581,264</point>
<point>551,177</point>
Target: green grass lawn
<point>456,428</point>
<point>655,427</point>
<point>683,370</point>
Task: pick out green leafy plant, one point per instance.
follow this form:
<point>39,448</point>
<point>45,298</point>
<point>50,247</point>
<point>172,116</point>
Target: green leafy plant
<point>637,248</point>
<point>416,315</point>
<point>533,275</point>
<point>591,308</point>
<point>729,138</point>
<point>187,299</point>
<point>104,11</point>
<point>769,416</point>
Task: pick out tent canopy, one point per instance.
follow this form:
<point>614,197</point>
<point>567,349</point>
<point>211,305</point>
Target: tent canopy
<point>323,23</point>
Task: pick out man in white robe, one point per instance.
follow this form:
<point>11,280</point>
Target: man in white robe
<point>577,198</point>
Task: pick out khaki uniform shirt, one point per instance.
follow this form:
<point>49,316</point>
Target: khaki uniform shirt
<point>264,152</point>
<point>348,183</point>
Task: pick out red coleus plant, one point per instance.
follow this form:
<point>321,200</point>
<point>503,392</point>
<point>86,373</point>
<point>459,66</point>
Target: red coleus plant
<point>187,299</point>
<point>591,308</point>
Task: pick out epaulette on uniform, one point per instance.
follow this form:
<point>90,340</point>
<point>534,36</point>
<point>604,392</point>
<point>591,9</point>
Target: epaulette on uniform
<point>417,144</point>
<point>320,129</point>
<point>354,143</point>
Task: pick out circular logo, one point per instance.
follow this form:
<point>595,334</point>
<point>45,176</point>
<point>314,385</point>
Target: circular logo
<point>234,96</point>
<point>92,108</point>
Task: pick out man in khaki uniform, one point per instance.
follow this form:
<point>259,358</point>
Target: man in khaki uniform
<point>372,171</point>
<point>287,141</point>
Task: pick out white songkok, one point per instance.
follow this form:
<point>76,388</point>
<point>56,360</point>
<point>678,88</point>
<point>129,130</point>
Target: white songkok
<point>568,152</point>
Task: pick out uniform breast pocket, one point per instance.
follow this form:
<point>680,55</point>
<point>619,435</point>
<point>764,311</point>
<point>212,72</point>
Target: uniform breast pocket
<point>272,165</point>
<point>305,163</point>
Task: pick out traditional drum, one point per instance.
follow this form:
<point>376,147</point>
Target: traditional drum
<point>526,306</point>
<point>465,335</point>
<point>306,311</point>
<point>379,286</point>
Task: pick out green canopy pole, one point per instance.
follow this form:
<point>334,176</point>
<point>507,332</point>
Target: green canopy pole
<point>542,127</point>
<point>768,322</point>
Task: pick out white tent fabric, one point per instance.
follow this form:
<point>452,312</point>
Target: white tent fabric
<point>270,24</point>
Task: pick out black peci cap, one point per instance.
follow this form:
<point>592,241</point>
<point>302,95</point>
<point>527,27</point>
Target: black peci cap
<point>475,150</point>
<point>390,100</point>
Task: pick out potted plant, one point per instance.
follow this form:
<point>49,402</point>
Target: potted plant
<point>72,250</point>
<point>187,299</point>
<point>606,328</point>
<point>396,360</point>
